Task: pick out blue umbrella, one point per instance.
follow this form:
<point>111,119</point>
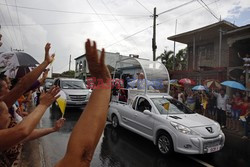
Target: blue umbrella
<point>233,84</point>
<point>199,87</point>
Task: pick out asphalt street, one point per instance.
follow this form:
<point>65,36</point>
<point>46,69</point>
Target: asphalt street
<point>122,148</point>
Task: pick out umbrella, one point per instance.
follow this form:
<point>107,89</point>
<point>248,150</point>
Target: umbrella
<point>15,61</point>
<point>199,87</point>
<point>233,84</point>
<point>211,83</point>
<point>186,81</point>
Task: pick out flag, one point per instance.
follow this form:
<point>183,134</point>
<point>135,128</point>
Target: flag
<point>61,101</point>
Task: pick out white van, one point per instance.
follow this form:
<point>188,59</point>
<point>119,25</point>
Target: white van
<point>76,91</point>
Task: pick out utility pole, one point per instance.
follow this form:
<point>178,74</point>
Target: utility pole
<point>154,47</point>
<point>174,44</point>
<point>69,62</point>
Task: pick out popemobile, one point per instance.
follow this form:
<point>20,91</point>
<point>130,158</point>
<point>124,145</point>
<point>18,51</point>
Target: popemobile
<point>141,103</point>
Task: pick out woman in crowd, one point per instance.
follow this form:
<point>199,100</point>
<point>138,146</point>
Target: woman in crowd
<point>236,103</point>
<point>245,116</point>
<point>190,100</point>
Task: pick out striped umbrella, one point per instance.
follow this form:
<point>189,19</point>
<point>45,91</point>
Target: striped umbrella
<point>212,84</point>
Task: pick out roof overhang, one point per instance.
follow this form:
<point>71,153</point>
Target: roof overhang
<point>203,33</point>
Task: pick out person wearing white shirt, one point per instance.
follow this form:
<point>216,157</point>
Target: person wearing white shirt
<point>222,100</point>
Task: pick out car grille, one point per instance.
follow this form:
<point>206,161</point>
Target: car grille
<point>77,97</point>
<point>211,143</point>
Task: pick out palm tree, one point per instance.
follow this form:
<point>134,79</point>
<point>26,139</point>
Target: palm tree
<point>167,58</point>
<point>181,59</point>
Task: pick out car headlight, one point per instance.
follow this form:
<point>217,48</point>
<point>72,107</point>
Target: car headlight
<point>183,129</point>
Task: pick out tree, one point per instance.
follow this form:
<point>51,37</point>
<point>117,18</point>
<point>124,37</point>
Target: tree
<point>166,58</point>
<point>180,59</point>
<point>70,74</point>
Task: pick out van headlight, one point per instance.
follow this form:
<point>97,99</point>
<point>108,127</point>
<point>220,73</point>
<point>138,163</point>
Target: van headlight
<point>183,129</point>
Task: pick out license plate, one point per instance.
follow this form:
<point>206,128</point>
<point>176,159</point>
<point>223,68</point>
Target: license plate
<point>213,149</point>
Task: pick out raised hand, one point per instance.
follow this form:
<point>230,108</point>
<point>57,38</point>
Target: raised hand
<point>96,65</point>
<point>49,59</point>
<point>58,124</point>
<point>48,98</point>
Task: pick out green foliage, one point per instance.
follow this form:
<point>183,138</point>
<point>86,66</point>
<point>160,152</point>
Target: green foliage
<point>180,59</point>
<point>70,74</point>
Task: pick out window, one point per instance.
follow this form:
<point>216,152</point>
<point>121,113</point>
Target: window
<point>77,66</point>
<point>143,104</point>
<point>134,103</point>
<point>80,66</point>
<point>206,52</point>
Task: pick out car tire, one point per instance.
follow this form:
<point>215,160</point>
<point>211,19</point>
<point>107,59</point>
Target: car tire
<point>164,143</point>
<point>115,121</point>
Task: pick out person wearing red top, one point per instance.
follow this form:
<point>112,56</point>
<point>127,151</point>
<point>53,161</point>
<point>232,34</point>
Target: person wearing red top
<point>245,116</point>
<point>236,109</point>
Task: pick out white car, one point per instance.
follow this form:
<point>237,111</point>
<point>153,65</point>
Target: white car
<point>169,124</point>
<point>147,109</point>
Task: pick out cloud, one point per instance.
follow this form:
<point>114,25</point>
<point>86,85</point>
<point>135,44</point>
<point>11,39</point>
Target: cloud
<point>114,32</point>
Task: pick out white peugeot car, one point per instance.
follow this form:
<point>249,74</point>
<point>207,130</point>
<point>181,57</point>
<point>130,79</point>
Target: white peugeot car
<point>146,108</point>
<point>169,124</point>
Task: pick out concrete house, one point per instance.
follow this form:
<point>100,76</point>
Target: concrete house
<point>212,52</point>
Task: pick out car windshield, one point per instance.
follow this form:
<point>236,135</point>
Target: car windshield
<point>73,85</point>
<point>170,106</point>
<point>48,82</point>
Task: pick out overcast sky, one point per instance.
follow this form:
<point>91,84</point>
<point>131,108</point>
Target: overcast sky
<point>123,26</point>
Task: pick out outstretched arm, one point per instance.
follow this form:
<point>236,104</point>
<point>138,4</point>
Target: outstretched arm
<point>26,82</point>
<point>37,133</point>
<point>87,131</point>
<point>12,136</point>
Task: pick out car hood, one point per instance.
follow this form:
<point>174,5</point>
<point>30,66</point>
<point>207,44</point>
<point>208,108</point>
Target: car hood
<point>190,120</point>
<point>76,91</point>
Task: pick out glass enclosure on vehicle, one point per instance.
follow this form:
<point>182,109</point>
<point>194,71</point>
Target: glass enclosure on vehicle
<point>139,76</point>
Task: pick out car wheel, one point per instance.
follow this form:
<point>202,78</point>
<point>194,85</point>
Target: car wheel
<point>164,143</point>
<point>115,121</point>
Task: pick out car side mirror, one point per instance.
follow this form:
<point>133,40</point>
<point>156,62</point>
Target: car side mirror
<point>147,112</point>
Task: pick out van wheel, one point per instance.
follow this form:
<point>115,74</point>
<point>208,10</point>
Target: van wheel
<point>165,143</point>
<point>115,121</point>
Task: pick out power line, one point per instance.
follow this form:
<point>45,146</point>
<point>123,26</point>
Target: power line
<point>11,39</point>
<point>101,20</point>
<point>128,37</point>
<point>18,21</point>
<point>185,13</point>
<point>124,30</point>
<point>176,7</point>
<point>68,12</point>
<point>208,9</point>
<point>14,32</point>
<point>144,7</point>
<point>61,23</point>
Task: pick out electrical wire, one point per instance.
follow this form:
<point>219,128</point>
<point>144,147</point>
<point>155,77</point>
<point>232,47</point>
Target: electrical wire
<point>128,36</point>
<point>20,32</point>
<point>124,30</point>
<point>185,13</point>
<point>69,12</point>
<point>79,22</point>
<point>14,32</point>
<point>144,7</point>
<point>208,9</point>
<point>176,7</point>
<point>11,39</point>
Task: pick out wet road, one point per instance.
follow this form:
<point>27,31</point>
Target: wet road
<point>121,148</point>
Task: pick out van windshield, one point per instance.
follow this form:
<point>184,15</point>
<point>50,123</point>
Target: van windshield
<point>171,106</point>
<point>73,85</point>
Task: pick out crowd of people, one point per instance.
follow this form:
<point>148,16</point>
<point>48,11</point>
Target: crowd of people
<point>231,113</point>
<point>18,120</point>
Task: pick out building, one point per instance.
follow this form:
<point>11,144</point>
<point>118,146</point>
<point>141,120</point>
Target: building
<point>212,52</point>
<point>82,71</point>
